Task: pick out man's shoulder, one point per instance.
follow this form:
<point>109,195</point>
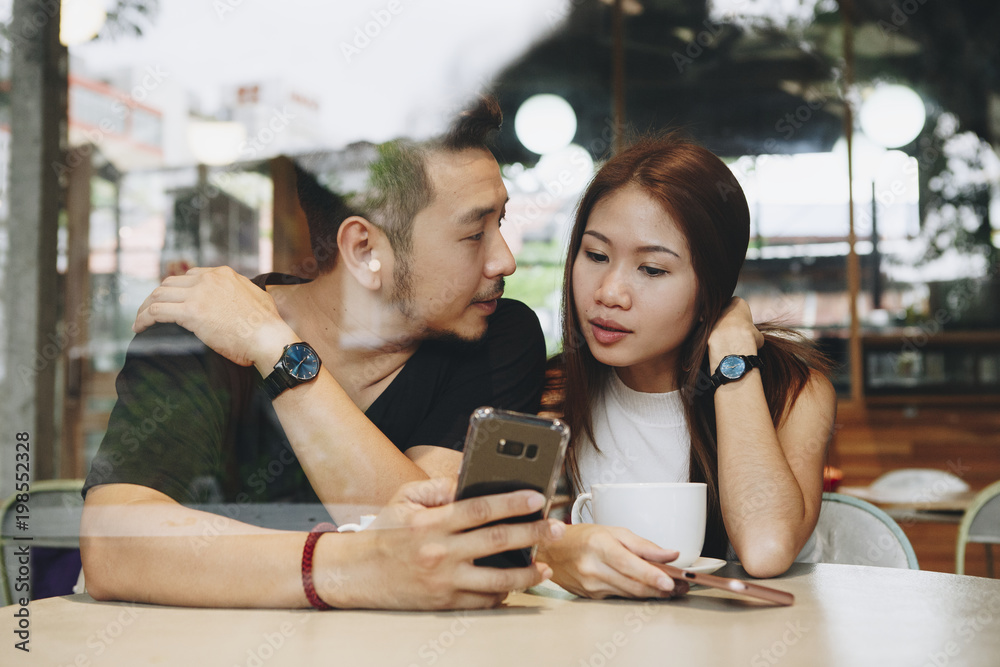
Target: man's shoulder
<point>512,315</point>
<point>277,278</point>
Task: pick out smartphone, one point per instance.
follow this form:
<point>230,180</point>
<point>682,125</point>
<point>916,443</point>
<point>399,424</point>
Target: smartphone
<point>510,451</point>
<point>728,584</point>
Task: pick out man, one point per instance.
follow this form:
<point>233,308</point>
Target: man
<point>340,389</point>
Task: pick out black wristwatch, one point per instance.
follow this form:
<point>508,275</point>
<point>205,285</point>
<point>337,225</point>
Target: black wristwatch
<point>298,364</point>
<point>733,367</point>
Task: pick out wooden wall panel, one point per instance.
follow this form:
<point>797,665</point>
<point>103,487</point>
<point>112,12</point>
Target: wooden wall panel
<point>965,441</point>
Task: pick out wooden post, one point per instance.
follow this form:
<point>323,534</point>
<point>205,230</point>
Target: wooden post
<point>618,76</point>
<point>853,264</point>
<point>77,313</point>
<point>292,251</point>
<point>33,341</point>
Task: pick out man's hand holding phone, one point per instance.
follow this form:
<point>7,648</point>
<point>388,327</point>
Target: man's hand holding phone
<point>423,547</point>
<point>509,451</point>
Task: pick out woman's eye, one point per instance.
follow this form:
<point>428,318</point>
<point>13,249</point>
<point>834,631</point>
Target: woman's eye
<point>596,256</point>
<point>652,271</point>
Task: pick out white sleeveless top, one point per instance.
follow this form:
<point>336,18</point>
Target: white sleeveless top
<point>643,438</point>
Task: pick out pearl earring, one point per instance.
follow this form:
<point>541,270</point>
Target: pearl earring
<point>374,265</point>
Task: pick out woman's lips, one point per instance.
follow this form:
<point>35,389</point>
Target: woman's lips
<point>607,332</point>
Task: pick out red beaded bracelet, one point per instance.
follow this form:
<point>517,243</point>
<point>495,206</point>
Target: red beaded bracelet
<point>307,564</point>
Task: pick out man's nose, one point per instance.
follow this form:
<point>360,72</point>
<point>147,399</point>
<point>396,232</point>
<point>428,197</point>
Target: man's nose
<point>500,261</point>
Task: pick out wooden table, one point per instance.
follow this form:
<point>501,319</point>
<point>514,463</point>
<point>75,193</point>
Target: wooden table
<point>844,615</point>
<point>945,508</point>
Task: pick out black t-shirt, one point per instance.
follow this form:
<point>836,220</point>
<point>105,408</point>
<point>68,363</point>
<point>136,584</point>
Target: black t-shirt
<point>199,428</point>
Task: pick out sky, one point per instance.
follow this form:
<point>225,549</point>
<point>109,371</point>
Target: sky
<point>380,68</point>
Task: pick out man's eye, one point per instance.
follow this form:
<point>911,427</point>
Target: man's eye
<point>596,256</point>
<point>652,271</point>
<point>475,237</point>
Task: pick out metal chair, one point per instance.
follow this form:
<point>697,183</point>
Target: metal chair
<point>851,531</point>
<point>980,524</point>
<point>53,521</point>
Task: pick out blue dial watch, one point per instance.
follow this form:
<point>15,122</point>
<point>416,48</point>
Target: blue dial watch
<point>298,364</point>
<point>733,367</point>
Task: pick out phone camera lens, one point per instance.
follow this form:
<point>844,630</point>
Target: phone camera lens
<point>531,452</point>
<point>510,447</point>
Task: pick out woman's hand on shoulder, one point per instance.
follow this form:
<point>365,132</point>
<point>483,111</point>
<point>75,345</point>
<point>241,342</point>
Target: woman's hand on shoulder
<point>603,561</point>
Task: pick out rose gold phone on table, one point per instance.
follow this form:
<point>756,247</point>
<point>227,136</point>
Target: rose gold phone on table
<point>728,584</point>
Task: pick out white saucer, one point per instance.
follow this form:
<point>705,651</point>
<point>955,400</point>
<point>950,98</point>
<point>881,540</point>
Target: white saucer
<point>705,565</point>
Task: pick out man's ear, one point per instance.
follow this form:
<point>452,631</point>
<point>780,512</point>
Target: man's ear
<point>360,244</point>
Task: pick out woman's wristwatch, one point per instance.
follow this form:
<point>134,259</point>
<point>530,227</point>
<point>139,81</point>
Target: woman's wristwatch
<point>733,367</point>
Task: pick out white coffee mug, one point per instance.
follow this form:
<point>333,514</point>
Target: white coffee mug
<point>671,515</point>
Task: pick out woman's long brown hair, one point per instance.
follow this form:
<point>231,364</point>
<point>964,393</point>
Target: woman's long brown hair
<point>700,193</point>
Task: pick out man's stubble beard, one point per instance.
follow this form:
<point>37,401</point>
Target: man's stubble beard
<point>401,297</point>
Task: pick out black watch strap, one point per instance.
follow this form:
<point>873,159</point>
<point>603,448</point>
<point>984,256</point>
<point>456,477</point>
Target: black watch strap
<point>275,383</point>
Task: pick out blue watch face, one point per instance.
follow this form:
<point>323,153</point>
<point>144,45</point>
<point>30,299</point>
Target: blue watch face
<point>301,361</point>
<point>733,367</point>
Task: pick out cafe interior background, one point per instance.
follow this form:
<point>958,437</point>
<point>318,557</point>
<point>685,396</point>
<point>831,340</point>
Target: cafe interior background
<point>864,132</point>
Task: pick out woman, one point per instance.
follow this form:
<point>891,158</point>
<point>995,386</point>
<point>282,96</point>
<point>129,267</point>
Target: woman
<point>648,317</point>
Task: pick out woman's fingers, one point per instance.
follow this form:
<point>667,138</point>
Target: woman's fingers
<point>642,547</point>
<point>633,582</point>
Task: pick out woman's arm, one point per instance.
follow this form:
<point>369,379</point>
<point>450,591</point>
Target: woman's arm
<point>770,479</point>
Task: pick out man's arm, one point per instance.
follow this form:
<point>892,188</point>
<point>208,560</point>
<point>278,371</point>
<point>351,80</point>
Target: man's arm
<point>347,459</point>
<point>138,544</point>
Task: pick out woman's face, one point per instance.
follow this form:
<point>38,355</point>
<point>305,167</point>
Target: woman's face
<point>635,289</point>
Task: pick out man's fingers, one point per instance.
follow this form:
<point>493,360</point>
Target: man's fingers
<point>500,537</point>
<point>473,512</point>
<point>500,581</point>
<point>158,312</point>
<point>427,493</point>
<point>172,293</point>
